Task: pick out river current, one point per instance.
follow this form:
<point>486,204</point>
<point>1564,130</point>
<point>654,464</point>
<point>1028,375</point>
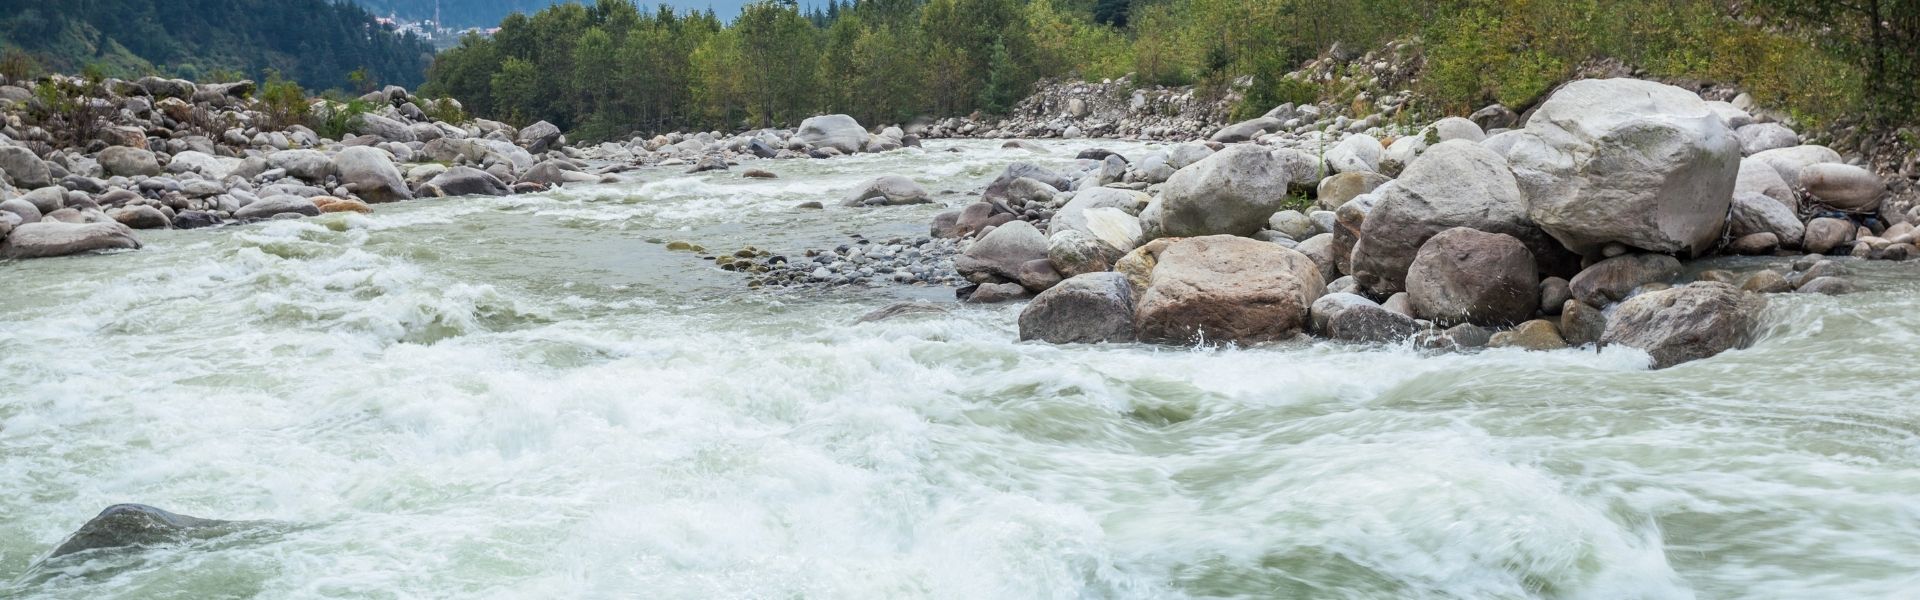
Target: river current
<point>531,397</point>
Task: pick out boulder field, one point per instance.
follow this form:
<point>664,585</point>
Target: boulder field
<point>1568,226</point>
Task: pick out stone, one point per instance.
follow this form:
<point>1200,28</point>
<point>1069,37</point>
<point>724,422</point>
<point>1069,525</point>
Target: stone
<point>1320,250</point>
<point>539,137</point>
<point>1073,253</point>
<point>1845,187</point>
<point>1611,280</point>
<point>1401,303</point>
<point>1554,293</point>
<point>1337,190</point>
<point>1536,335</point>
<point>1766,281</point>
<point>1293,223</point>
<point>1037,275</point>
<point>1581,323</point>
<point>1463,275</point>
<point>1494,117</point>
<point>371,174</point>
<point>889,190</point>
<point>1226,289</point>
<point>1635,162</point>
<point>1761,137</point>
<point>1085,309</point>
<point>328,204</point>
<point>1106,214</point>
<point>468,181</point>
<point>758,174</point>
<point>386,129</point>
<point>307,165</point>
<point>46,199</point>
<point>1246,130</point>
<point>1401,153</point>
<point>1001,188</point>
<point>902,310</point>
<point>995,293</point>
<point>1754,213</point>
<point>1002,252</point>
<point>1829,285</point>
<point>839,132</point>
<point>1456,128</point>
<point>25,211</point>
<point>52,238</point>
<point>707,164</point>
<point>140,217</point>
<point>1183,155</point>
<point>270,206</point>
<point>22,168</point>
<point>1754,244</point>
<point>1232,192</point>
<point>1760,178</point>
<point>1824,234</point>
<point>1454,184</point>
<point>129,526</point>
<point>126,161</point>
<point>1356,154</point>
<point>1686,323</point>
<point>1354,318</point>
<point>1788,162</point>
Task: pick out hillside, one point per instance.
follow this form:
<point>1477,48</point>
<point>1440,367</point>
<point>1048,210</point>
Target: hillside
<point>487,13</point>
<point>312,41</point>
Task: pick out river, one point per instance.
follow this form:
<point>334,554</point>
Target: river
<point>530,397</point>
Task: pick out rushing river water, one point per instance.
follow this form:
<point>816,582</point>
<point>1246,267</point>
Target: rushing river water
<point>530,397</point>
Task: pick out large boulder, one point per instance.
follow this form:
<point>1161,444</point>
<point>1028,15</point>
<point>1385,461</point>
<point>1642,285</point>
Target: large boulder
<point>1757,177</point>
<point>1761,137</point>
<point>1824,234</point>
<point>307,165</point>
<point>1246,130</point>
<point>1686,323</point>
<point>1226,289</point>
<point>1085,213</point>
<point>1845,187</point>
<point>1008,184</point>
<point>22,168</point>
<point>128,161</point>
<point>1454,184</point>
<point>125,526</point>
<point>1789,161</point>
<point>1754,213</point>
<point>1337,190</point>
<point>839,132</point>
<point>270,206</point>
<point>468,181</point>
<point>888,190</point>
<point>386,129</point>
<point>371,174</point>
<point>1354,318</point>
<point>1468,276</point>
<point>1356,154</point>
<point>539,137</point>
<point>1635,162</point>
<point>1232,192</point>
<point>54,238</point>
<point>1086,309</point>
<point>1611,280</point>
<point>1002,252</point>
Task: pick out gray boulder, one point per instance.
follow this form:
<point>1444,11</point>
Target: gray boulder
<point>1453,184</point>
<point>1232,192</point>
<point>1338,189</point>
<point>1754,213</point>
<point>468,181</point>
<point>53,238</point>
<point>46,199</point>
<point>1611,280</point>
<point>1845,187</point>
<point>888,190</point>
<point>1084,309</point>
<point>1456,128</point>
<point>266,208</point>
<point>22,168</point>
<point>371,174</point>
<point>1002,252</point>
<point>140,217</point>
<point>1635,162</point>
<point>1826,233</point>
<point>1789,161</point>
<point>1757,177</point>
<point>539,137</point>
<point>127,161</point>
<point>1468,276</point>
<point>1354,318</point>
<point>384,128</point>
<point>23,210</point>
<point>1356,154</point>
<point>126,526</point>
<point>1686,323</point>
<point>305,165</point>
<point>839,132</point>
<point>1246,130</point>
<point>1761,137</point>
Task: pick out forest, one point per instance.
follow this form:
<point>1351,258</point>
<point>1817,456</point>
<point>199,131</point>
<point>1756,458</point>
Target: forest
<point>616,68</point>
<point>319,43</point>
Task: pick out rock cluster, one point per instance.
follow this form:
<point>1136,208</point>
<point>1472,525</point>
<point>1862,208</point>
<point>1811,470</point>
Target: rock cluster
<point>1566,227</point>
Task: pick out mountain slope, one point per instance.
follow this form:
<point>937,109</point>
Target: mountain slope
<point>488,13</point>
<point>315,42</point>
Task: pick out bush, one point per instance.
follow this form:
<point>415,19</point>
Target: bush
<point>17,66</point>
<point>340,118</point>
<point>283,101</point>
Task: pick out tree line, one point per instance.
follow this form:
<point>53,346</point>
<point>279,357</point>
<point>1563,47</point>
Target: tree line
<point>615,68</point>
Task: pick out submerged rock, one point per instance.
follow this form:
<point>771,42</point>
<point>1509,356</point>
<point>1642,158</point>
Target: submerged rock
<point>52,238</point>
<point>139,525</point>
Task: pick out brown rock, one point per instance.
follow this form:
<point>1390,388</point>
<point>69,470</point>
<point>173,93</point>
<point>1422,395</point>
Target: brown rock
<point>1227,289</point>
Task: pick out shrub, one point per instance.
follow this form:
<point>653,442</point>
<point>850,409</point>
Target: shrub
<point>283,101</point>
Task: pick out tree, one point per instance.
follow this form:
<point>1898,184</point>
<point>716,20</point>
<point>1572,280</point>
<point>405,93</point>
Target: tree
<point>517,91</point>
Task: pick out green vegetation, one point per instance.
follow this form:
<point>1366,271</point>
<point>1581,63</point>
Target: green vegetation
<point>315,42</point>
<point>614,69</point>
